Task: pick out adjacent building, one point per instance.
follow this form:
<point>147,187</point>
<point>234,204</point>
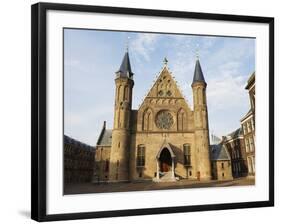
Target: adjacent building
<point>248,126</point>
<point>234,143</point>
<point>220,162</point>
<point>102,156</point>
<point>78,161</point>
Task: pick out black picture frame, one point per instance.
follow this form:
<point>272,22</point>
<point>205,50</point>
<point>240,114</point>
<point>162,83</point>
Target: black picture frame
<point>39,122</point>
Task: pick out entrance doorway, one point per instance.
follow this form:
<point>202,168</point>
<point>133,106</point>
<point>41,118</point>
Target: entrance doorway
<point>165,164</point>
<point>165,160</point>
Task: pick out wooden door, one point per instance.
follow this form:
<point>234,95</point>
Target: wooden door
<point>165,167</point>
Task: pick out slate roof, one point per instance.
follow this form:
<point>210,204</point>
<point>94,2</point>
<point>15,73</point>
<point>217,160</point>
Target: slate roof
<point>219,152</point>
<point>105,138</point>
<point>125,68</point>
<point>72,141</point>
<point>198,74</point>
<point>236,133</point>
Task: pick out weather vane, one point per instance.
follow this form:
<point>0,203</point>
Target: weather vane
<point>165,61</point>
<point>197,51</point>
<point>127,43</point>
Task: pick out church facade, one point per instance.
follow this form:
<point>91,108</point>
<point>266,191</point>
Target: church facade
<point>163,140</point>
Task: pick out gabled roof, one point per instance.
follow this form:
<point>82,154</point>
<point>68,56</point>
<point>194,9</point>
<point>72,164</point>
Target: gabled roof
<point>198,74</point>
<point>219,152</point>
<point>106,138</point>
<point>125,68</point>
<point>165,78</point>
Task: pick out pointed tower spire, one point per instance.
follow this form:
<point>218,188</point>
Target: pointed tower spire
<point>198,74</point>
<point>125,68</point>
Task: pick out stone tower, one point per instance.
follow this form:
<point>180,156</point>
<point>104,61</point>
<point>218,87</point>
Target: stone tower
<point>201,127</point>
<point>119,155</point>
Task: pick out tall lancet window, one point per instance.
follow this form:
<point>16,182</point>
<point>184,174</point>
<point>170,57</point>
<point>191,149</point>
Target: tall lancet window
<point>141,156</point>
<point>147,120</point>
<point>119,93</point>
<point>126,93</point>
<point>181,120</point>
<point>187,154</point>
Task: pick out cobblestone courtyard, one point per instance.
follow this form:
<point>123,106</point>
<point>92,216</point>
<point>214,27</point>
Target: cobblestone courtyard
<point>82,188</point>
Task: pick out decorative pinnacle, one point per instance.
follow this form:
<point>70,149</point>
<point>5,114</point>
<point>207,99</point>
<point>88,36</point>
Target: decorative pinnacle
<point>165,61</point>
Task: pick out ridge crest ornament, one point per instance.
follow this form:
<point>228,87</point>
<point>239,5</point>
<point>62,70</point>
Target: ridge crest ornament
<point>164,119</point>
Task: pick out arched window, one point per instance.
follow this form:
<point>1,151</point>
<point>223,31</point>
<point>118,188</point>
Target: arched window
<point>187,154</point>
<point>204,96</point>
<point>141,156</point>
<point>181,120</point>
<point>119,94</point>
<point>200,96</point>
<point>106,167</point>
<point>147,120</point>
<point>126,93</point>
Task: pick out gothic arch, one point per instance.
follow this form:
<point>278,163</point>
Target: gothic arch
<point>147,120</point>
<point>181,119</point>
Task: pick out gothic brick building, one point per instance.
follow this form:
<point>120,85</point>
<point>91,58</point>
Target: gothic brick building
<point>78,161</point>
<point>163,140</point>
<point>234,143</point>
<point>221,162</point>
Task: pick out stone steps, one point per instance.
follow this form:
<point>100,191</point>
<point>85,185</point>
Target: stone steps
<point>165,177</point>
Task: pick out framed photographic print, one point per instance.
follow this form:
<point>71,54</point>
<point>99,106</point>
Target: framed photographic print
<point>139,111</point>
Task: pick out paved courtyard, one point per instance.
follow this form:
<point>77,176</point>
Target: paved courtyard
<point>82,188</point>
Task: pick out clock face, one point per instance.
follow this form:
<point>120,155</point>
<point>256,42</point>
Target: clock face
<point>164,120</point>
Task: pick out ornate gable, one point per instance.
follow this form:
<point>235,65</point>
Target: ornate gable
<point>165,86</point>
<point>164,107</point>
<point>164,90</point>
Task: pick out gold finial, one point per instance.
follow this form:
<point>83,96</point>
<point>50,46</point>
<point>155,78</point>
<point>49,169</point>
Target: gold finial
<point>165,61</point>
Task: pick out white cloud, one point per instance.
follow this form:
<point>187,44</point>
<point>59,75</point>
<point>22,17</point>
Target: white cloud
<point>226,91</point>
<point>144,44</point>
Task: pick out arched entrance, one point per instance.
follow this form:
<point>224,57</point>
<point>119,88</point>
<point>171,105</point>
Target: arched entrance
<point>165,160</point>
<point>165,164</point>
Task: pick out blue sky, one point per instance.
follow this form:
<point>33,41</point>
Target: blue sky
<point>92,57</point>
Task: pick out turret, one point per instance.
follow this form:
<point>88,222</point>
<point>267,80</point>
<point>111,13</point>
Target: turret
<point>201,125</point>
<point>119,156</point>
